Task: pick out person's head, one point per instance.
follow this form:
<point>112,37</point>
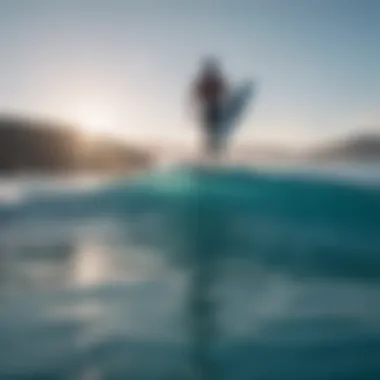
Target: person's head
<point>210,66</point>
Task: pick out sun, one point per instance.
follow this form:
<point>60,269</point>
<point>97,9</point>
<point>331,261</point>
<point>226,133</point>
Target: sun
<point>94,120</point>
<point>94,116</point>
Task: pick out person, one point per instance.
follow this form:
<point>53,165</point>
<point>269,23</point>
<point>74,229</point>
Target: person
<point>209,93</point>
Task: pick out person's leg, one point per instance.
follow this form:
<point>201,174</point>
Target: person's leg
<point>209,126</point>
<point>215,138</point>
<point>206,126</point>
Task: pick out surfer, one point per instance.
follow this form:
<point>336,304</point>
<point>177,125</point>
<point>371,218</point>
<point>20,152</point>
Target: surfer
<point>209,93</point>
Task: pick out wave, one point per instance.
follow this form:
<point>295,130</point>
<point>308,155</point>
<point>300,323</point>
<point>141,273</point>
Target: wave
<point>308,226</point>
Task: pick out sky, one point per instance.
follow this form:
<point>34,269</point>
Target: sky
<point>124,67</point>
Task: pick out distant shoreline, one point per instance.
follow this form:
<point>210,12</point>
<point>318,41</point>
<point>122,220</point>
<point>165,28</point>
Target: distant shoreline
<point>45,148</point>
<point>39,147</point>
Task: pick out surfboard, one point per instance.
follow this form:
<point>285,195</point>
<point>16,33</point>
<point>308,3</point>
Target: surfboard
<point>234,112</point>
<point>236,106</point>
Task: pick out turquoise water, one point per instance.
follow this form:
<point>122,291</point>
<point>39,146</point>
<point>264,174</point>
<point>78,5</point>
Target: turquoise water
<point>188,273</point>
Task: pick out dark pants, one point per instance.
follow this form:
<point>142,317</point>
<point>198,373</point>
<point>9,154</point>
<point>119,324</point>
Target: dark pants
<point>211,123</point>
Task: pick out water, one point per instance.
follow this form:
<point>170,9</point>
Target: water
<point>189,274</point>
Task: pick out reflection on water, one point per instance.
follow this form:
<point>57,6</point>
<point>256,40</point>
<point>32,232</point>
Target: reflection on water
<point>90,265</point>
<point>53,255</point>
<point>90,297</point>
<point>95,264</point>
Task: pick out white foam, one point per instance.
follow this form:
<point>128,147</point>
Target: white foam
<point>17,190</point>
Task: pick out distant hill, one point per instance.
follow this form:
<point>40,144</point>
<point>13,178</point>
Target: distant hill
<point>356,148</point>
<point>365,147</point>
<point>37,145</point>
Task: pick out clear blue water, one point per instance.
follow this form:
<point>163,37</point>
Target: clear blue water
<point>187,274</point>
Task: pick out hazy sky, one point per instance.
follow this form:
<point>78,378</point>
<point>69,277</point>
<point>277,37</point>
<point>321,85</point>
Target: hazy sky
<point>125,66</point>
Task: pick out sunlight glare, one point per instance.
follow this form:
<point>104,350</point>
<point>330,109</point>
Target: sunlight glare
<point>95,120</point>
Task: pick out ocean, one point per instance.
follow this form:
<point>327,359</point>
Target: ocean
<point>192,273</point>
